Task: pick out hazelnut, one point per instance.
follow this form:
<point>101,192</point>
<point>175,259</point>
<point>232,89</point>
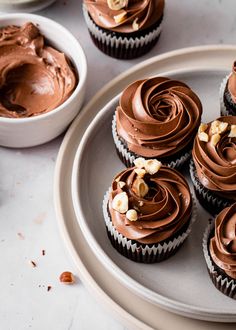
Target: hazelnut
<point>152,166</point>
<point>215,139</point>
<point>203,137</point>
<point>117,4</point>
<point>132,215</point>
<point>135,24</point>
<point>67,278</point>
<point>139,187</point>
<point>218,127</point>
<point>121,184</point>
<point>120,202</point>
<point>202,128</point>
<point>140,172</point>
<point>121,17</point>
<point>139,162</point>
<point>232,131</point>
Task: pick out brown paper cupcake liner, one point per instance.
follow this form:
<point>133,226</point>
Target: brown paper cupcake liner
<point>128,157</point>
<point>210,201</point>
<point>222,281</point>
<point>145,253</point>
<point>118,46</point>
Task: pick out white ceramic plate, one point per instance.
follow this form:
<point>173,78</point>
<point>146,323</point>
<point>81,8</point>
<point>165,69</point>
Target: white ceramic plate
<point>166,284</point>
<point>91,270</point>
<point>29,6</point>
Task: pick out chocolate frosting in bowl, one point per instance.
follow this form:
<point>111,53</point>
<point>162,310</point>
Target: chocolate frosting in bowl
<point>223,244</point>
<point>162,212</point>
<point>216,164</point>
<point>158,117</point>
<point>34,78</point>
<point>144,13</point>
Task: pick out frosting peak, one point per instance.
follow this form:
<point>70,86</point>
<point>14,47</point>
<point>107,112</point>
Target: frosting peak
<point>34,77</point>
<point>223,244</point>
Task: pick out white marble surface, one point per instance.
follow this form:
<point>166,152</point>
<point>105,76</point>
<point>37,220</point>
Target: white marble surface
<point>26,181</point>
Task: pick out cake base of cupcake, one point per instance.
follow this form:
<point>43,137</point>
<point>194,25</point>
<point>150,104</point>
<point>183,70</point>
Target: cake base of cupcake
<point>208,199</point>
<point>220,279</point>
<point>123,46</point>
<point>127,157</point>
<point>145,253</point>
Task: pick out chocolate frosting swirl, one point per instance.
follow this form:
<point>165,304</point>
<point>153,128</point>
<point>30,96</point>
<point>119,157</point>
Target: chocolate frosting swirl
<point>223,244</point>
<point>216,165</point>
<point>158,117</point>
<point>34,78</point>
<point>161,213</point>
<point>232,83</point>
<point>145,12</point>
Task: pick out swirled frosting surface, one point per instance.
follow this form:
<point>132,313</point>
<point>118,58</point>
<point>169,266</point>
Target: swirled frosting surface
<point>145,13</point>
<point>161,213</point>
<point>216,165</point>
<point>223,244</point>
<point>158,117</point>
<point>34,77</point>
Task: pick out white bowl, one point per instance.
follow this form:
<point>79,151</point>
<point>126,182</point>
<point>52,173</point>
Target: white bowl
<point>28,132</point>
<point>24,5</point>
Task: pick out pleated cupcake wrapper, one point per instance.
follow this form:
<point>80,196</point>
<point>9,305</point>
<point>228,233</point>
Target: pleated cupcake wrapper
<point>162,249</point>
<point>205,193</point>
<point>221,282</point>
<point>113,41</point>
<point>223,110</point>
<point>129,158</point>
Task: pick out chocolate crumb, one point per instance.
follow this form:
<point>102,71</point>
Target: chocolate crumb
<point>49,288</point>
<point>21,236</point>
<point>33,263</point>
<point>43,252</point>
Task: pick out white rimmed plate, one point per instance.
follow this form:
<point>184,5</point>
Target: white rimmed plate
<point>91,270</point>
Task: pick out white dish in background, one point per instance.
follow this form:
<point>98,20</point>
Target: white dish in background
<point>100,280</point>
<point>32,131</point>
<point>29,6</point>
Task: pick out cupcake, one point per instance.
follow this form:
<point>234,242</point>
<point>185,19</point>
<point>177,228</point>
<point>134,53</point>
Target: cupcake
<point>213,169</point>
<point>228,93</point>
<point>124,29</point>
<point>156,118</point>
<point>219,247</point>
<point>148,211</point>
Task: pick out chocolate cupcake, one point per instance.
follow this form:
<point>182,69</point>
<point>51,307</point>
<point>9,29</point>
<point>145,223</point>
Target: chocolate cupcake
<point>213,169</point>
<point>228,94</point>
<point>148,211</point>
<point>219,247</point>
<point>156,118</point>
<point>124,29</point>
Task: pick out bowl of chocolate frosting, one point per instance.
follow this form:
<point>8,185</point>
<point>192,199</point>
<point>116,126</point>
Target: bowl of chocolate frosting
<point>43,73</point>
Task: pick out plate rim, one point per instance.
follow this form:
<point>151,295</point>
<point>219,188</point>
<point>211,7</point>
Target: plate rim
<point>106,90</point>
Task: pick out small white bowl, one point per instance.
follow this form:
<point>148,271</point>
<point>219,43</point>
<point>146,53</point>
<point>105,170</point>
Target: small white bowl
<point>24,5</point>
<point>32,131</point>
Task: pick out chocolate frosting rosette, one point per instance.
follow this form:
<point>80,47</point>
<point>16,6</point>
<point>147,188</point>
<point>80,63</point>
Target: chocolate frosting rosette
<point>124,28</point>
<point>148,211</point>
<point>156,118</point>
<point>228,93</point>
<point>35,77</point>
<point>213,170</point>
<point>219,247</point>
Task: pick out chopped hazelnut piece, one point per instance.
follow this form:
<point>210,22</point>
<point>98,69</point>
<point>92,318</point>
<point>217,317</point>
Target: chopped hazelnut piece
<point>215,139</point>
<point>232,131</point>
<point>117,4</point>
<point>120,202</point>
<point>203,137</point>
<point>132,215</point>
<point>67,278</point>
<point>139,187</point>
<point>152,166</point>
<point>121,17</point>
